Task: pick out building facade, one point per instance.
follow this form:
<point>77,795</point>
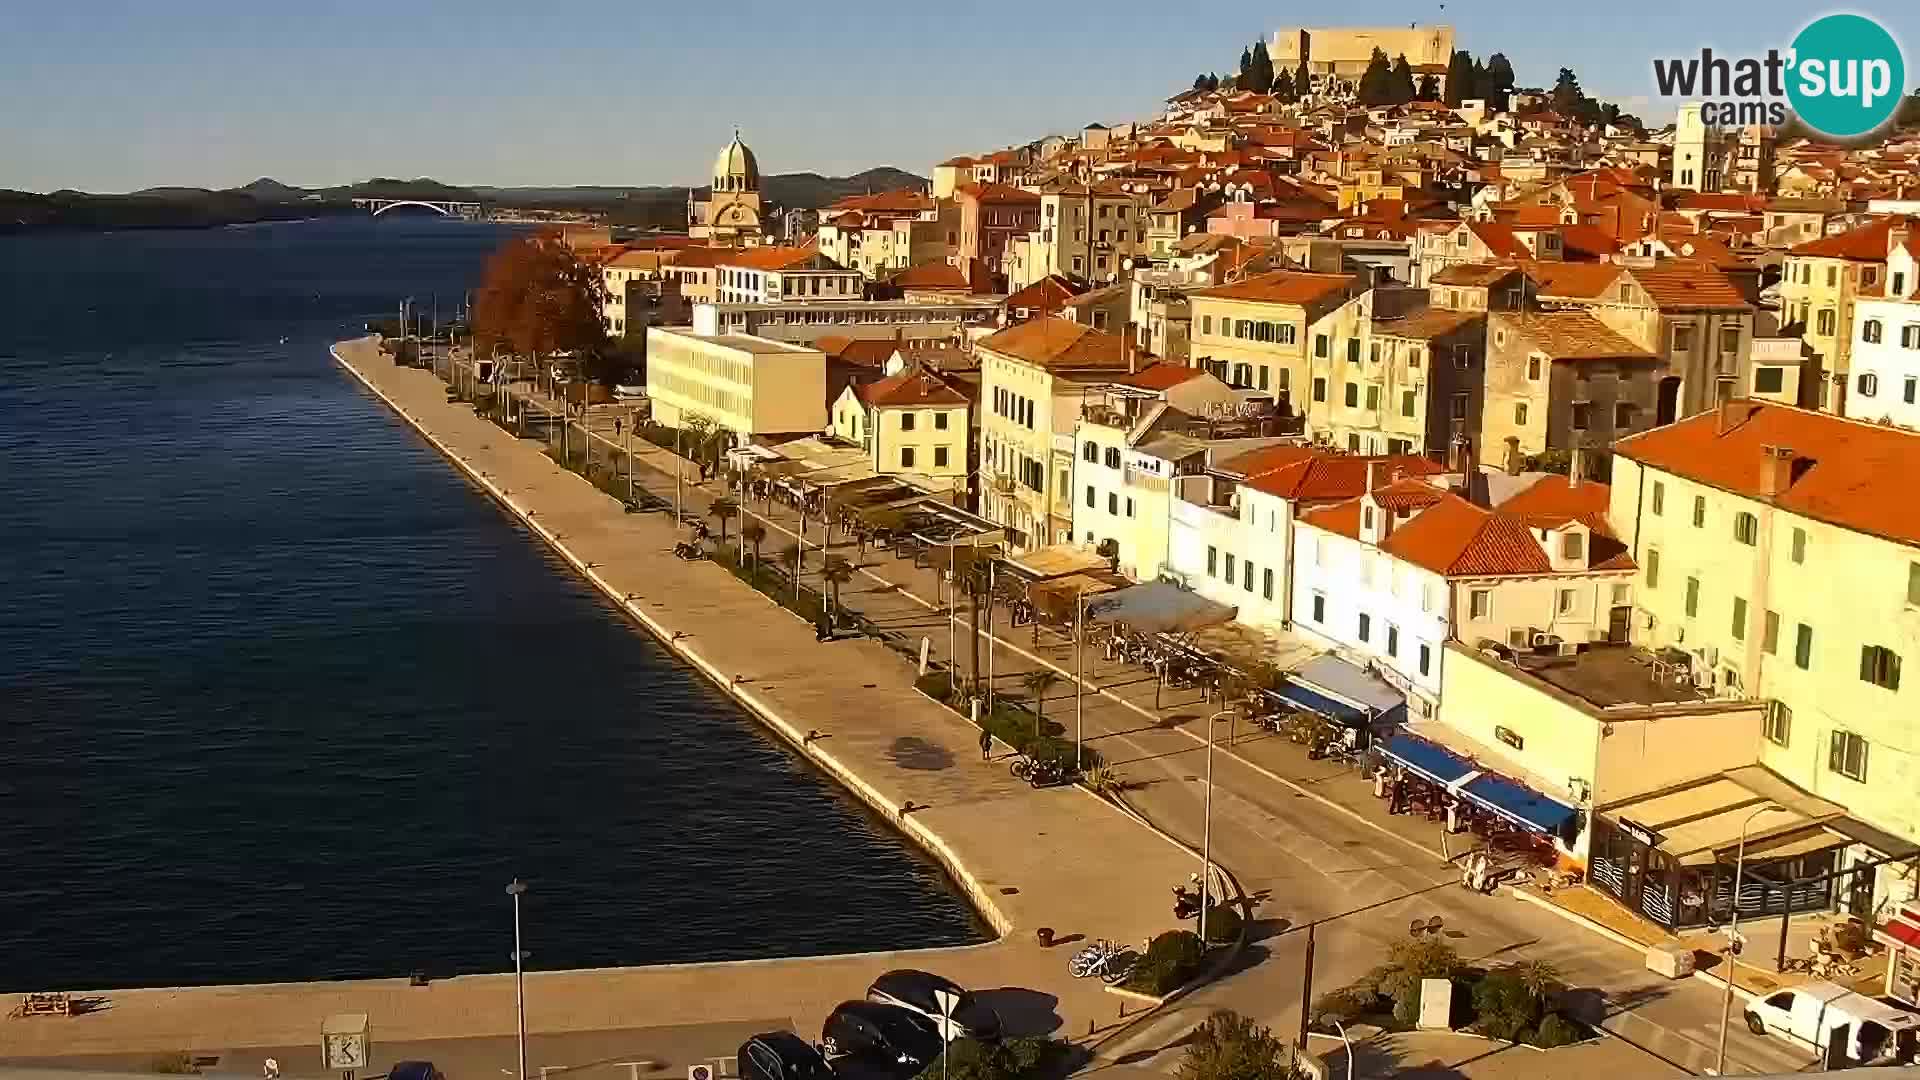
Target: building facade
<point>746,385</point>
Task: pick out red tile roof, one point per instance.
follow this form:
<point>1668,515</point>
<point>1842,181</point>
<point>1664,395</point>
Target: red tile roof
<point>934,274</point>
<point>1281,287</point>
<point>1159,376</point>
<point>1059,343</point>
<point>1687,285</point>
<point>1845,472</point>
<point>1050,293</point>
<point>1572,335</point>
<point>999,193</point>
<point>1326,477</point>
<point>910,388</point>
<point>1867,243</point>
<point>771,258</point>
<point>1555,498</point>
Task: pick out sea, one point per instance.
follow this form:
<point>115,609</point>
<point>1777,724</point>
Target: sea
<point>283,698</point>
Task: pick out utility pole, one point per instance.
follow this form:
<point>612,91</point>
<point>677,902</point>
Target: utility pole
<point>516,889</point>
<point>1306,990</point>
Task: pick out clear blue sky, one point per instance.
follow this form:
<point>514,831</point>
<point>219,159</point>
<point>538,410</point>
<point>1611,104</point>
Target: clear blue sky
<point>118,96</point>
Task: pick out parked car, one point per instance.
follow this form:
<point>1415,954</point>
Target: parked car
<point>919,991</point>
<point>1811,1013</point>
<point>884,1034</point>
<point>781,1055</point>
<point>414,1070</point>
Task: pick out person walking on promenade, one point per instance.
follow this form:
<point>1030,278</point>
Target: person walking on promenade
<point>986,745</point>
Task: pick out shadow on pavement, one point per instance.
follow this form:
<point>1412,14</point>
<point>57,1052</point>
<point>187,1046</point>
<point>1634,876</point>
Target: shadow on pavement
<point>1022,1011</point>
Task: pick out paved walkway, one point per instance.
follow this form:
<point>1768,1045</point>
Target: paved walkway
<point>1308,835</point>
<point>1059,858</point>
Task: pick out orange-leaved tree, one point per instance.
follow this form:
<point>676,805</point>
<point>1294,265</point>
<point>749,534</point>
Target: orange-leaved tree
<point>538,299</point>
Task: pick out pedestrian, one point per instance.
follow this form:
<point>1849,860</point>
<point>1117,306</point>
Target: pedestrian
<point>986,745</point>
<point>616,427</point>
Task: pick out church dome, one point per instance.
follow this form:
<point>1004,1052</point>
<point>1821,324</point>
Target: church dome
<point>735,169</point>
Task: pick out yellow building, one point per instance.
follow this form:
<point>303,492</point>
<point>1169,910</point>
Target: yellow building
<point>1818,285</point>
<point>1260,334</point>
<point>1779,552</point>
<point>1032,380</point>
<point>911,424</point>
<point>746,385</point>
<point>1336,57</point>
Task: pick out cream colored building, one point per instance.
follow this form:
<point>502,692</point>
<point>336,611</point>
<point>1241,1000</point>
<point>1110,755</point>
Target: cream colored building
<point>1265,333</point>
<point>1091,231</point>
<point>1779,550</point>
<point>1033,378</point>
<point>1820,282</point>
<point>1336,57</point>
<point>746,385</point>
<point>912,424</point>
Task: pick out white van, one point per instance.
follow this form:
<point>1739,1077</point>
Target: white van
<point>1809,1014</point>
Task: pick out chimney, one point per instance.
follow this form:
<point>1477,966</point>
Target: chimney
<point>1776,470</point>
<point>1724,408</point>
<point>1514,459</point>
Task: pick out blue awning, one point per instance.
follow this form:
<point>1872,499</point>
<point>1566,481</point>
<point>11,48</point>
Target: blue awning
<point>1518,804</point>
<point>1427,760</point>
<point>1314,701</point>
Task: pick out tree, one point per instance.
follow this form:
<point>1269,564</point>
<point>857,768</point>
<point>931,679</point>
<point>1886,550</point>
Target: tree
<point>536,299</point>
<point>720,509</point>
<point>1459,78</point>
<point>1200,81</point>
<point>836,572</point>
<point>1376,84</point>
<point>1284,88</point>
<point>1542,978</point>
<point>1403,88</point>
<point>1408,964</point>
<point>1482,86</point>
<point>1429,88</point>
<point>1259,77</point>
<point>1246,65</point>
<point>1499,81</point>
<point>1028,1057</point>
<point>1228,1046</point>
<point>794,556</point>
<point>700,433</point>
<point>1566,93</point>
<point>754,534</point>
<point>1038,682</point>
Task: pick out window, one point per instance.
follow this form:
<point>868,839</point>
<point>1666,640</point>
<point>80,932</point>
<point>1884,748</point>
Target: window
<point>1869,385</point>
<point>1425,655</point>
<point>1833,276</point>
<point>1129,507</point>
<point>1246,575</point>
<point>1480,603</point>
<point>939,457</point>
<point>1898,287</point>
<point>1229,574</point>
<point>1803,647</point>
<point>1353,395</point>
<point>1565,601</point>
<point>1213,560</point>
<point>1622,416</point>
<point>1319,389</point>
<point>1353,350</point>
<point>1113,504</point>
<point>906,421</point>
<point>1847,755</point>
<point>1373,398</point>
<point>1320,345</point>
<point>1319,607</point>
<point>1729,339</point>
<point>1908,392</point>
<point>1366,626</point>
<point>1699,511</point>
<point>1778,726</point>
<point>1746,528</point>
<point>1659,498</point>
<point>1770,633</point>
<point>1693,596</point>
<point>939,421</point>
<point>1090,503</point>
<point>1880,666</point>
<point>1533,368</point>
<point>1393,640</point>
<point>1582,415</point>
<point>1406,403</point>
<point>1870,331</point>
<point>1769,380</point>
<point>1823,322</point>
<point>1113,457</point>
<point>1739,618</point>
<point>1266,583</point>
<point>1913,584</point>
<point>1799,545</point>
<point>1089,451</point>
<point>906,457</point>
<point>1682,338</point>
<point>1206,324</point>
<point>1573,545</point>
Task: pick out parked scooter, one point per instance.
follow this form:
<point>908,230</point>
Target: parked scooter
<point>689,550</point>
<point>1186,901</point>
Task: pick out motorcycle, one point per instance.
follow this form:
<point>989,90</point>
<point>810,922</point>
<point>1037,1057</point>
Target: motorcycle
<point>1186,902</point>
<point>689,550</point>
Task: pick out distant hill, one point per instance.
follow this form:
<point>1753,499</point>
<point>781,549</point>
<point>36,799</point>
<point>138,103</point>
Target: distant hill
<point>267,189</point>
<point>804,189</point>
<point>156,208</point>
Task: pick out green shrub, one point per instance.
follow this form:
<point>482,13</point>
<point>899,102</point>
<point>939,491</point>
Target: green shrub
<point>1557,1030</point>
<point>1408,964</point>
<point>934,685</point>
<point>178,1063</point>
<point>1172,959</point>
<point>1503,1007</point>
<point>1025,1058</point>
<point>1228,1046</point>
<point>1223,924</point>
<point>1348,1005</point>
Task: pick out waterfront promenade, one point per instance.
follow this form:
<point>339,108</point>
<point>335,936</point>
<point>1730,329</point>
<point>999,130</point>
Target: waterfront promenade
<point>1058,858</point>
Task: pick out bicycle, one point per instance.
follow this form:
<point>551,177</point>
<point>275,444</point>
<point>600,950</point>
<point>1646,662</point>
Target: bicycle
<point>1111,962</point>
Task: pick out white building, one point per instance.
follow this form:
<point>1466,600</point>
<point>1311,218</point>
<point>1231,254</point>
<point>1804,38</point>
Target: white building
<point>773,275</point>
<point>1886,347</point>
<point>746,385</point>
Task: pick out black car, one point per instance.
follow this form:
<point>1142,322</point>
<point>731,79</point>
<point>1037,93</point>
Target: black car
<point>781,1055</point>
<point>883,1034</point>
<point>920,992</point>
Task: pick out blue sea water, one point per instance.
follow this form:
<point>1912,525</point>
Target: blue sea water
<point>283,698</point>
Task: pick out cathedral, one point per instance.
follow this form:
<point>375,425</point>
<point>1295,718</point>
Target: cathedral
<point>731,212</point>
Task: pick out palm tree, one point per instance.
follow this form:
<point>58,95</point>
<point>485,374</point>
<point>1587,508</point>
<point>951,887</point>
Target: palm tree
<point>1038,682</point>
<point>794,555</point>
<point>755,534</point>
<point>720,509</point>
<point>836,571</point>
<point>1542,978</point>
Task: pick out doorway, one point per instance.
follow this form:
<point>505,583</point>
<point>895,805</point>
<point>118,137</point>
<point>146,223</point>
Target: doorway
<point>1668,408</point>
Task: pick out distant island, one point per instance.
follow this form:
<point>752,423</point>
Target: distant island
<point>267,199</point>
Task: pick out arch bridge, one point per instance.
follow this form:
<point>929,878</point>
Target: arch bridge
<point>443,207</point>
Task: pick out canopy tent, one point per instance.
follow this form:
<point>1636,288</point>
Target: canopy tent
<point>1424,759</point>
<point>1358,689</point>
<point>1313,701</point>
<point>1056,598</point>
<point>1520,805</point>
<point>1157,607</point>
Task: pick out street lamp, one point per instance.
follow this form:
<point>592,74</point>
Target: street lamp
<point>1733,934</point>
<point>516,888</point>
<point>1348,1043</point>
<point>1206,832</point>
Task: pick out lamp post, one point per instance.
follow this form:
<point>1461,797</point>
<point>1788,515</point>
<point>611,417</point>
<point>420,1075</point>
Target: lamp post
<point>1733,936</point>
<point>516,888</point>
<point>1079,679</point>
<point>1348,1043</point>
<point>1206,831</point>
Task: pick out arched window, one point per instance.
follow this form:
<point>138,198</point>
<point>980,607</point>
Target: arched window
<point>1870,331</point>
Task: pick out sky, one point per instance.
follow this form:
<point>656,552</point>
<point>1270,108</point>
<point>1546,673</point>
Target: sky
<point>214,93</point>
